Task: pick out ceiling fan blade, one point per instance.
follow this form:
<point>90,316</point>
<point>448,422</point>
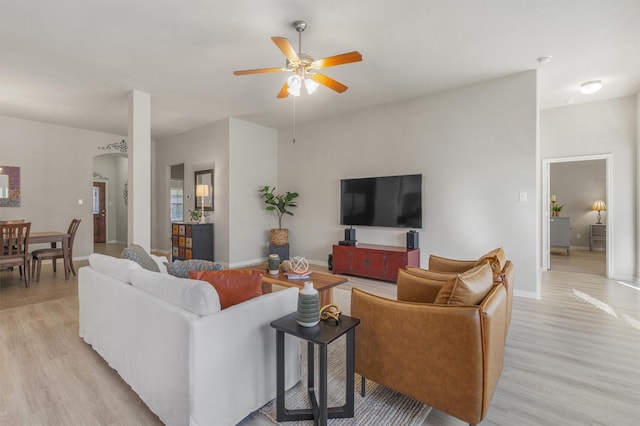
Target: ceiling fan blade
<point>258,71</point>
<point>329,82</point>
<point>331,61</point>
<point>283,92</point>
<point>286,48</point>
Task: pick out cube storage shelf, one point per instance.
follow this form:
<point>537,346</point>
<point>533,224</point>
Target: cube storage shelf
<point>191,241</point>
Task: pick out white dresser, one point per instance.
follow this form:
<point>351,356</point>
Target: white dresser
<point>597,232</point>
<point>560,232</point>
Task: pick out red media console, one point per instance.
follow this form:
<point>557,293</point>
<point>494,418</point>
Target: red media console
<point>373,261</point>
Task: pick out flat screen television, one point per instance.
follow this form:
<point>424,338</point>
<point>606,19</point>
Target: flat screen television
<point>390,201</point>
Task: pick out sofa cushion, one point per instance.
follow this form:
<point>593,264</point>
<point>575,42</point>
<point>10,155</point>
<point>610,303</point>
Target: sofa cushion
<point>194,296</point>
<point>161,261</point>
<point>497,259</point>
<point>233,286</point>
<point>119,269</point>
<point>468,288</point>
<point>181,268</point>
<point>140,256</point>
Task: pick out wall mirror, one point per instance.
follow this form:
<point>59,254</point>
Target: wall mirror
<point>9,186</point>
<point>204,189</point>
<point>4,186</point>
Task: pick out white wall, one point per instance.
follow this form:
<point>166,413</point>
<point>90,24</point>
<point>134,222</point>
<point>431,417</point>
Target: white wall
<point>56,170</point>
<point>203,148</point>
<point>577,184</point>
<point>476,149</point>
<point>253,154</point>
<point>121,209</point>
<point>243,156</point>
<point>602,127</point>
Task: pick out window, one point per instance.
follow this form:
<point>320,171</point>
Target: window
<point>176,193</point>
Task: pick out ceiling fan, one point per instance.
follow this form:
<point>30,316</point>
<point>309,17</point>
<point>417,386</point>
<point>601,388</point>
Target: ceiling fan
<point>303,68</point>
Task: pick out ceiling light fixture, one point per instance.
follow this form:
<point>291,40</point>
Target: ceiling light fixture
<point>590,87</point>
<point>294,82</point>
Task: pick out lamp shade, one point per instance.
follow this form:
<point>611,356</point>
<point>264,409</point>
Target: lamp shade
<point>599,205</point>
<point>202,190</point>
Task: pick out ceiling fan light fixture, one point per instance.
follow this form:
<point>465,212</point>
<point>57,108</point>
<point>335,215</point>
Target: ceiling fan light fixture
<point>310,85</point>
<point>294,82</point>
<point>590,87</point>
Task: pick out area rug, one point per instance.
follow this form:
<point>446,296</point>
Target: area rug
<point>380,406</point>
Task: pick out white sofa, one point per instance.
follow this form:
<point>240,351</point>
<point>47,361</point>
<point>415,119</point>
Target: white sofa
<point>190,362</point>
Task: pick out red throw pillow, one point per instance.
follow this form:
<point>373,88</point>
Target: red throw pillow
<point>233,285</point>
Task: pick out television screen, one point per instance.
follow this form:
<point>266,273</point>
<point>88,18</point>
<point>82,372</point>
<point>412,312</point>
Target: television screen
<point>391,201</point>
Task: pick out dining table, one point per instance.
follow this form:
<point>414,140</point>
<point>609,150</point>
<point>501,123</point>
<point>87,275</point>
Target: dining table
<point>54,237</point>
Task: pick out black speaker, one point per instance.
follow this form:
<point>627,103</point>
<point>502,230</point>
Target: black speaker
<point>412,240</point>
<point>349,234</point>
<point>330,262</point>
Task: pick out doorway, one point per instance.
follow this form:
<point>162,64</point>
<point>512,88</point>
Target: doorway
<point>111,170</point>
<point>99,213</point>
<point>572,240</point>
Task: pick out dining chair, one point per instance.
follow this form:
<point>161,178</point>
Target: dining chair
<point>55,253</point>
<point>15,247</point>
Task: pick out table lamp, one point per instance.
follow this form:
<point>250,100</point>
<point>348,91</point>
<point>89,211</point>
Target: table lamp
<point>202,190</point>
<point>599,205</point>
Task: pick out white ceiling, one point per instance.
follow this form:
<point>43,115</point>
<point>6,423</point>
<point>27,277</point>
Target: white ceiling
<point>73,62</point>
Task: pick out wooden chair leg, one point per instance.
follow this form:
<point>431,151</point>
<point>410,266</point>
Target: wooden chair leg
<point>27,273</point>
<point>38,266</point>
<point>73,270</point>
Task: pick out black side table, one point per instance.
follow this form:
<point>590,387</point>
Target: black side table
<point>321,335</point>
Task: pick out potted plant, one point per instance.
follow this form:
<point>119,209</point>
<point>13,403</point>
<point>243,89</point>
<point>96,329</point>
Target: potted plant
<point>281,204</point>
<point>196,215</point>
<point>556,209</point>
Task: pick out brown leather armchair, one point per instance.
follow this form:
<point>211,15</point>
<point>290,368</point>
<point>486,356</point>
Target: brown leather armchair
<point>445,355</point>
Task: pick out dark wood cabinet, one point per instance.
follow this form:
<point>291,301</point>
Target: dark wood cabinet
<point>373,261</point>
<point>191,241</point>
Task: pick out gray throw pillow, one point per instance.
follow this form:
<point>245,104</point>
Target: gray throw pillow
<point>181,268</point>
<point>140,256</point>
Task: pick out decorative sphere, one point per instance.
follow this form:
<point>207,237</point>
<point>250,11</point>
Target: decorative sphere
<point>299,265</point>
<point>286,265</point>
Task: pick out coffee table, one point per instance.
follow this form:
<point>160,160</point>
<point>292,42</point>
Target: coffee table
<point>324,283</point>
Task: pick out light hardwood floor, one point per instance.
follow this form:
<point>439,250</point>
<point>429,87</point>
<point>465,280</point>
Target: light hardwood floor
<point>572,358</point>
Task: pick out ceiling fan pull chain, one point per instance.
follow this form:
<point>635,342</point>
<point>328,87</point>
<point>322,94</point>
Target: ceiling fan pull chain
<point>294,119</point>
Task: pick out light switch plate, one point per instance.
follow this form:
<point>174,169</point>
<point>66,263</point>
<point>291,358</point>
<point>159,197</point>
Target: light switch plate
<point>523,196</point>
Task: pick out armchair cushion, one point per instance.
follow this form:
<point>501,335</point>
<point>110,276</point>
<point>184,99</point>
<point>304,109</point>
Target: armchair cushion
<point>233,286</point>
<point>468,288</point>
<point>420,285</point>
<point>497,261</point>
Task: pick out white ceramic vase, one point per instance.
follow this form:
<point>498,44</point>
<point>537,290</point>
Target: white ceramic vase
<point>308,306</point>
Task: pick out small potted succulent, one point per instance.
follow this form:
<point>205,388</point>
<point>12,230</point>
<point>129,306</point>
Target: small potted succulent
<point>556,209</point>
<point>196,215</point>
